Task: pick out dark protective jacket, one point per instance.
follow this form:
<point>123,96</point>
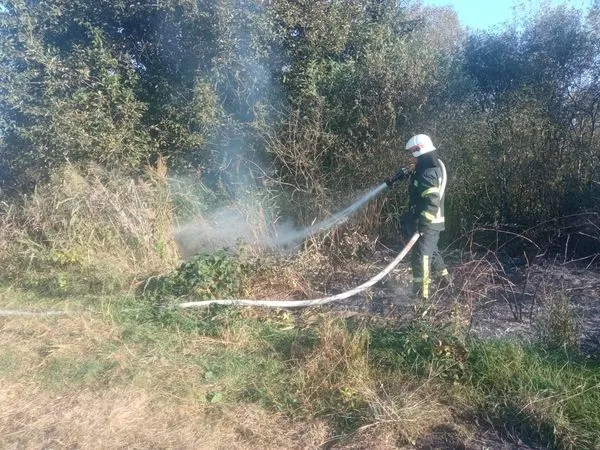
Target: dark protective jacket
<point>426,200</point>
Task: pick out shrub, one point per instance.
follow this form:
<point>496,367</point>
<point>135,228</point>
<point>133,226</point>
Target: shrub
<point>207,276</point>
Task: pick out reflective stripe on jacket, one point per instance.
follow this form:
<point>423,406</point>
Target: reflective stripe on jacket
<point>426,201</point>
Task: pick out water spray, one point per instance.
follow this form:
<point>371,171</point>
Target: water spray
<point>334,220</point>
<point>345,214</point>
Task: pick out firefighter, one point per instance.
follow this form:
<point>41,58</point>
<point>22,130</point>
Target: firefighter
<point>425,214</point>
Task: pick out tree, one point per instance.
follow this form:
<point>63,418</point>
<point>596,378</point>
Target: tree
<point>110,82</point>
<point>533,87</point>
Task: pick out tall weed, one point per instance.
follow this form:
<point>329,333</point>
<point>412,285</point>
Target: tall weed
<point>96,224</point>
<point>557,327</point>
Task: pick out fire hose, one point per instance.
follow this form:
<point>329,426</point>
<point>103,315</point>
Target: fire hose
<point>312,302</point>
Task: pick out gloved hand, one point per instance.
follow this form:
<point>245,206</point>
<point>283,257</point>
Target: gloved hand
<point>402,173</point>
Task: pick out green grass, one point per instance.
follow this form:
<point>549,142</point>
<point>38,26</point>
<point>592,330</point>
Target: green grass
<point>73,372</point>
<point>552,396</point>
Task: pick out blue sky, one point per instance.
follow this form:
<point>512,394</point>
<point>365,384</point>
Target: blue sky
<point>484,14</point>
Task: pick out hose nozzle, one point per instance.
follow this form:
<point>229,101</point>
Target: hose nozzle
<point>402,173</point>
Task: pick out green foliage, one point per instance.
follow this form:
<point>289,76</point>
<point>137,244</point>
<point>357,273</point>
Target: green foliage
<point>207,276</point>
<point>95,81</point>
<point>528,139</point>
<point>319,96</point>
<point>66,95</point>
<point>356,75</point>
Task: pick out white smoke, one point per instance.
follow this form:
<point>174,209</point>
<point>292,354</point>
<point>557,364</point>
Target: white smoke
<point>224,228</point>
<point>229,227</point>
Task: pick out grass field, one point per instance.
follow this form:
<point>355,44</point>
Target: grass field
<point>117,372</point>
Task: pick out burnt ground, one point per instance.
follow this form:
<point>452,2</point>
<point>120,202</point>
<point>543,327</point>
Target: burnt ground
<point>522,311</point>
<point>499,303</point>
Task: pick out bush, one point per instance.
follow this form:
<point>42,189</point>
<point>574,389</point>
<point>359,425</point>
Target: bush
<point>206,276</point>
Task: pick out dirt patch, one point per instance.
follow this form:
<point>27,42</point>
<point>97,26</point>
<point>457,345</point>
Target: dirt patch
<point>515,305</point>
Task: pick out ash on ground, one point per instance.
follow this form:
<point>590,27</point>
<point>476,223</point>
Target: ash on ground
<point>500,303</point>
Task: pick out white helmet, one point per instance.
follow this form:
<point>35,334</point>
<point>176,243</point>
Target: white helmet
<point>419,145</point>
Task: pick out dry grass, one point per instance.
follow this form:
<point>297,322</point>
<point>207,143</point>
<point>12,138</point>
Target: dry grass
<point>336,380</point>
<point>406,408</point>
<point>127,417</point>
<point>289,276</point>
<point>403,411</point>
<point>73,382</point>
<point>79,382</point>
<point>264,382</point>
<point>91,222</point>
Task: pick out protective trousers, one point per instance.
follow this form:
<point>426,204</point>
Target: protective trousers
<point>427,263</point>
